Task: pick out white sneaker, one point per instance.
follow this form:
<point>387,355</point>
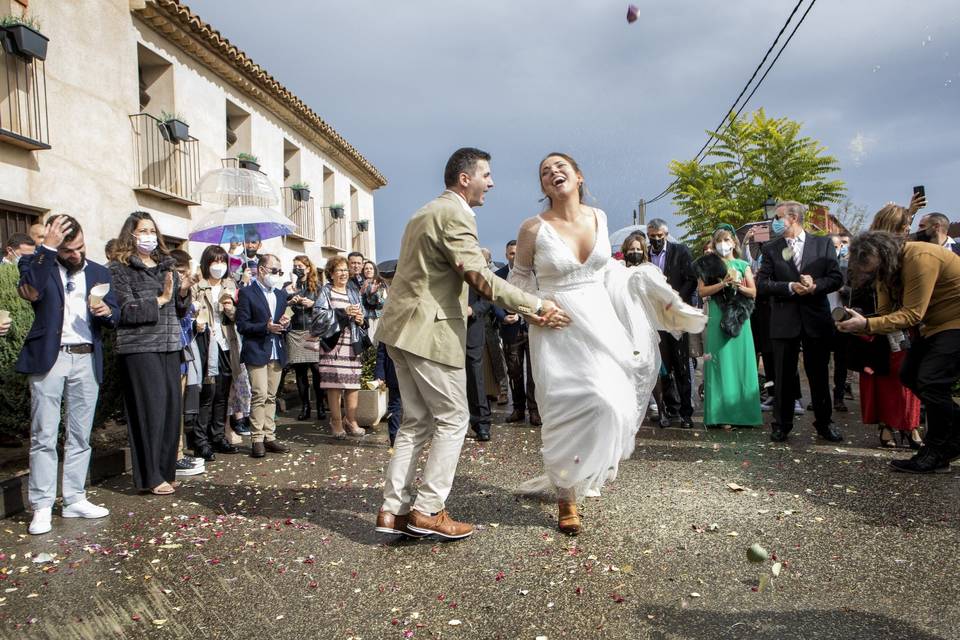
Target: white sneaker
<point>798,408</point>
<point>767,406</point>
<point>41,521</point>
<point>189,466</point>
<point>84,509</point>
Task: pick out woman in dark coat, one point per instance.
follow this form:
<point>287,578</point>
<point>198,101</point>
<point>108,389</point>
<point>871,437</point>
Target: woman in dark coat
<point>152,297</point>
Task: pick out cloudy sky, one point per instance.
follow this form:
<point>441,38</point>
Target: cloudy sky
<point>408,82</point>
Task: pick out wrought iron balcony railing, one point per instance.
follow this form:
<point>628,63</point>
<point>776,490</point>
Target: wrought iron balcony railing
<point>335,231</point>
<point>164,169</point>
<point>24,120</point>
<point>301,212</point>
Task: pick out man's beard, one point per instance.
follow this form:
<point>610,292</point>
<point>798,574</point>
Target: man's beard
<point>251,253</point>
<point>70,267</point>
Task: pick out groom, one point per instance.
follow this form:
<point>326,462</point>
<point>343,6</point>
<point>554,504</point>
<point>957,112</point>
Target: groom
<point>424,327</point>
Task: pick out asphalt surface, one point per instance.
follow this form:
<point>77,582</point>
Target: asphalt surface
<point>284,547</point>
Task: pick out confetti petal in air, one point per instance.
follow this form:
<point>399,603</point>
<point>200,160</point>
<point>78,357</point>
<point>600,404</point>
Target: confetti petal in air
<point>632,12</point>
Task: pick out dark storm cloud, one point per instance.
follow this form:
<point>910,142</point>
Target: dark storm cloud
<point>408,82</point>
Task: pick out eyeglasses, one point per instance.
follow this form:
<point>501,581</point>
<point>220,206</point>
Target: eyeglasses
<point>275,271</point>
<point>341,270</point>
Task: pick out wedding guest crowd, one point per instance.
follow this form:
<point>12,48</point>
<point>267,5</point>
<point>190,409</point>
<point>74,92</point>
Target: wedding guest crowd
<point>201,353</point>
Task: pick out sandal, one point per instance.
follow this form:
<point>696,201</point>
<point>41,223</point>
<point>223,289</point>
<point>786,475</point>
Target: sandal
<point>336,429</point>
<point>355,429</point>
<point>911,438</point>
<point>887,442</point>
<point>567,518</point>
<point>163,489</point>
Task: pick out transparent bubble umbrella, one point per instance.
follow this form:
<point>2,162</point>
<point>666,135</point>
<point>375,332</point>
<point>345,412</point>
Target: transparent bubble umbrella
<point>234,223</point>
<point>230,187</point>
<point>618,236</point>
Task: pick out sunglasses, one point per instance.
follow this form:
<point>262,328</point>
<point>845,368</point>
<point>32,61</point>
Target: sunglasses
<point>275,271</point>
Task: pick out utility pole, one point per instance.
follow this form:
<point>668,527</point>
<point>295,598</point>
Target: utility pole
<point>643,212</point>
<point>633,219</point>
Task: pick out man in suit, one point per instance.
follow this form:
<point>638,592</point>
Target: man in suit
<point>933,227</point>
<point>674,260</point>
<point>797,272</point>
<point>63,353</point>
<point>477,311</point>
<point>262,323</point>
<point>514,331</point>
<point>424,328</point>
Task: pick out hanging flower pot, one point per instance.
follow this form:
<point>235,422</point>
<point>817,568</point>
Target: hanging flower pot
<point>23,38</point>
<point>173,128</point>
<point>248,161</point>
<point>301,191</point>
<point>363,225</point>
<point>336,211</point>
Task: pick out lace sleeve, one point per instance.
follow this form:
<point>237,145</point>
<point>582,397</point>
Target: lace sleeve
<point>522,275</point>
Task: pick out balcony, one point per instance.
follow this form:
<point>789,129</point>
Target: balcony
<point>164,169</point>
<point>334,232</point>
<point>24,121</point>
<point>301,212</point>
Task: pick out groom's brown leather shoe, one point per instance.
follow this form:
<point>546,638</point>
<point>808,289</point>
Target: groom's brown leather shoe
<point>441,525</point>
<point>389,523</point>
<point>275,446</point>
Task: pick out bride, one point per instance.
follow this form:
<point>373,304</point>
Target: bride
<point>593,379</point>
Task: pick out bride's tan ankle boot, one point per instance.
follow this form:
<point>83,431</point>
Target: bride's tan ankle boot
<point>568,520</point>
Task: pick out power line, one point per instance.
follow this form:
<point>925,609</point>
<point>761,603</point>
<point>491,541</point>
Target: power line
<point>725,122</point>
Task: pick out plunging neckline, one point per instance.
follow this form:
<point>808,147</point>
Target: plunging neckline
<point>573,254</point>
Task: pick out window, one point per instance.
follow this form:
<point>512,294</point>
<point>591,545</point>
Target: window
<point>13,220</point>
<point>238,130</point>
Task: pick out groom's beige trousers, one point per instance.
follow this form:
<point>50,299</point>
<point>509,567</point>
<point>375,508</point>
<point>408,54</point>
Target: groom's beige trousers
<point>434,409</point>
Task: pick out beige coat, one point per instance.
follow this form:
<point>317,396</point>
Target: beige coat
<point>425,313</point>
<point>203,296</point>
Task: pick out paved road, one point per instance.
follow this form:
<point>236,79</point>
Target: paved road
<point>284,547</point>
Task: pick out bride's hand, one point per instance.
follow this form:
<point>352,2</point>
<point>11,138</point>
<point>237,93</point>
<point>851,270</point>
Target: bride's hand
<point>553,316</point>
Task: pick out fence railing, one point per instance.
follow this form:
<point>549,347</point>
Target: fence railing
<point>164,169</point>
<point>301,212</point>
<point>335,231</point>
<point>24,119</point>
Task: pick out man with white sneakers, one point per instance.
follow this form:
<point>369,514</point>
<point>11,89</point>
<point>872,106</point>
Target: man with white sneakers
<point>63,356</point>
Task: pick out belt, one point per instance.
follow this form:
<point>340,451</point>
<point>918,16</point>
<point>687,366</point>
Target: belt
<point>76,348</point>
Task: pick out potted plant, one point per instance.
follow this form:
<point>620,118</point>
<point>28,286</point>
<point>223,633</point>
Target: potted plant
<point>173,128</point>
<point>336,210</point>
<point>363,225</point>
<point>23,37</point>
<point>301,191</point>
<point>248,161</point>
<point>372,400</point>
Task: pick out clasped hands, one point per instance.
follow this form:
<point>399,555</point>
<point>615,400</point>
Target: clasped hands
<point>805,287</point>
<point>550,316</point>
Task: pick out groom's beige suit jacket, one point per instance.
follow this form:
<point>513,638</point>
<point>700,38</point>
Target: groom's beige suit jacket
<point>425,313</point>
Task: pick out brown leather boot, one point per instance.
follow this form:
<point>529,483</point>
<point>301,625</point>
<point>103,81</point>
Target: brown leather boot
<point>567,518</point>
<point>535,420</point>
<point>441,525</point>
<point>516,416</point>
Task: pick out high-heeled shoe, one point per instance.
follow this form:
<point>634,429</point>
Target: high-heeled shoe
<point>353,429</point>
<point>568,520</point>
<point>911,438</point>
<point>304,412</point>
<point>888,442</point>
<point>336,429</point>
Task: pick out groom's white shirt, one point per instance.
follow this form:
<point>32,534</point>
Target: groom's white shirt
<point>466,207</point>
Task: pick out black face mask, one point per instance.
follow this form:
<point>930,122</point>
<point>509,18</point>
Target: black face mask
<point>297,271</point>
<point>251,253</point>
<point>633,257</point>
<point>657,244</point>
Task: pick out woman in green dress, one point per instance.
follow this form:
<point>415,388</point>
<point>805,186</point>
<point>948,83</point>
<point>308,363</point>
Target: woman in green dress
<point>731,391</point>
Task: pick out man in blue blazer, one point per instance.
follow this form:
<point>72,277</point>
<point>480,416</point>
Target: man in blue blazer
<point>262,323</point>
<point>63,352</point>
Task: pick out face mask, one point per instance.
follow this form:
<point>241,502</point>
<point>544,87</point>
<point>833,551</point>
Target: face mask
<point>633,257</point>
<point>218,269</point>
<point>237,251</point>
<point>274,280</point>
<point>725,248</point>
<point>147,243</point>
<point>251,253</point>
<point>843,251</point>
<point>298,271</point>
<point>778,226</point>
<point>657,244</point>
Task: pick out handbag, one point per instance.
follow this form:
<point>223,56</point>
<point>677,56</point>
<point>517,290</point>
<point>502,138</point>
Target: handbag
<point>365,341</point>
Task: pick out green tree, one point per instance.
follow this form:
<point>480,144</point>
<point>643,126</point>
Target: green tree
<point>754,157</point>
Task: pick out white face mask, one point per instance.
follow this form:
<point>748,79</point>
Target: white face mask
<point>724,248</point>
<point>217,270</point>
<point>238,250</point>
<point>274,281</point>
<point>147,243</point>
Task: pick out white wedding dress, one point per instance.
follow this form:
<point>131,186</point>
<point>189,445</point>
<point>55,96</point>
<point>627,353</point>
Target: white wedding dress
<point>594,377</point>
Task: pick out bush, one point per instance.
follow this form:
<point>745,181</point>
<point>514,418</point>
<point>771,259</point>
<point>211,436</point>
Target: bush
<point>368,366</point>
<point>14,389</point>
